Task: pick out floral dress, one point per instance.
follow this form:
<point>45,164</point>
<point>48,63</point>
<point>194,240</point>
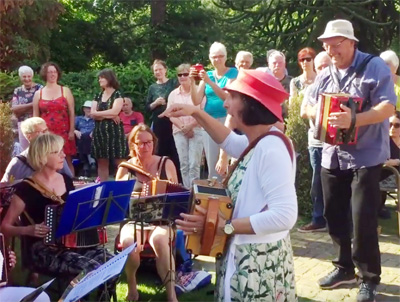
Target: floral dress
<point>55,113</point>
<point>263,271</point>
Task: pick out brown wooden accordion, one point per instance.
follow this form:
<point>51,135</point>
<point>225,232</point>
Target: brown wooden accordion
<point>81,239</point>
<point>329,103</point>
<point>213,197</point>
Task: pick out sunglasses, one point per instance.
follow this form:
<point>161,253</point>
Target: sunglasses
<point>305,59</point>
<point>395,125</point>
<point>186,74</point>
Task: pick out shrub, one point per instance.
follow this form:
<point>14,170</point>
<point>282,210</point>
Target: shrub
<point>6,136</point>
<point>296,129</point>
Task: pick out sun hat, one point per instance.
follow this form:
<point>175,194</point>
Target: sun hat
<point>338,28</point>
<point>262,87</point>
<point>87,104</point>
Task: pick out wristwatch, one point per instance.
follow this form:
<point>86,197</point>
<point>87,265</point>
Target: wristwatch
<point>229,229</point>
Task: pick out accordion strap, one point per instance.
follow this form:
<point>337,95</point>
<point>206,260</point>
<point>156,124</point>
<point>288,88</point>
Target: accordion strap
<point>136,168</point>
<point>284,138</point>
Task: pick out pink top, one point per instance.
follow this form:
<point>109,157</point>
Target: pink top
<point>130,121</point>
<point>179,97</point>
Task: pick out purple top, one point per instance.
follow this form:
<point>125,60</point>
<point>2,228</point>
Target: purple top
<point>375,84</point>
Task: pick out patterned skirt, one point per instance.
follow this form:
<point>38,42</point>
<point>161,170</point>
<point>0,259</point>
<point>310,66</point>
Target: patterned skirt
<point>264,272</point>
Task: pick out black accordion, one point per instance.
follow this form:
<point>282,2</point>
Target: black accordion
<point>81,239</point>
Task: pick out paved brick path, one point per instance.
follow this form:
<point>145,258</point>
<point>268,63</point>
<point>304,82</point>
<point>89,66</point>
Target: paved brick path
<point>313,253</point>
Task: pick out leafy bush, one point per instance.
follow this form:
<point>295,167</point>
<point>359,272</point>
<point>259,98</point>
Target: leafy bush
<point>296,129</point>
<point>6,136</point>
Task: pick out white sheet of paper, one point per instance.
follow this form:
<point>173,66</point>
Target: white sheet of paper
<point>100,275</point>
<point>1,264</point>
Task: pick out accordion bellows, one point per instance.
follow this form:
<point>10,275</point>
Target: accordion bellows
<point>213,197</point>
<point>329,103</point>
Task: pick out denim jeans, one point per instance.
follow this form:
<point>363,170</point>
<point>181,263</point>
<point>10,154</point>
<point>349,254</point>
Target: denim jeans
<point>317,197</point>
<point>356,191</point>
<point>189,151</point>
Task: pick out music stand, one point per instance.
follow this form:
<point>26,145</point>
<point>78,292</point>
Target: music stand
<point>161,208</point>
<point>96,206</point>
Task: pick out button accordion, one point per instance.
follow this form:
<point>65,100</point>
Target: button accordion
<point>329,103</point>
<point>81,239</point>
<point>213,197</point>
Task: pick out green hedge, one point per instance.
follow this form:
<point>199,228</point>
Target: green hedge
<point>296,129</point>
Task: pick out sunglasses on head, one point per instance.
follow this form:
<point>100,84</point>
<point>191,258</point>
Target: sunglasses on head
<point>395,125</point>
<point>305,59</point>
<point>186,74</point>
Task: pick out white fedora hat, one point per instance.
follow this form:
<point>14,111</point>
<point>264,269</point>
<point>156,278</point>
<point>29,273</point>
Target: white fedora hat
<point>87,104</point>
<point>338,28</point>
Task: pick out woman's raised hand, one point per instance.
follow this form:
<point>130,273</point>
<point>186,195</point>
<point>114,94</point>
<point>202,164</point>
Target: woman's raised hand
<point>178,110</point>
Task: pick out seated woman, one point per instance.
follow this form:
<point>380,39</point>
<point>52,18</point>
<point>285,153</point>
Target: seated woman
<point>387,177</point>
<point>142,144</point>
<point>261,186</point>
<point>46,156</point>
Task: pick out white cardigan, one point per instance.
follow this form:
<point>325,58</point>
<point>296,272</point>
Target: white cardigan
<point>268,180</point>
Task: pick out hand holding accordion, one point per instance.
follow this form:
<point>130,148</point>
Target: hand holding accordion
<point>213,198</point>
<point>330,103</point>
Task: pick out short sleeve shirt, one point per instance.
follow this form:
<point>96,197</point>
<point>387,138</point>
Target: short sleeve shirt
<point>375,85</point>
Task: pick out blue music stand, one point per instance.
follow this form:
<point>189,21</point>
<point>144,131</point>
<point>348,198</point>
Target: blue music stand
<point>95,206</point>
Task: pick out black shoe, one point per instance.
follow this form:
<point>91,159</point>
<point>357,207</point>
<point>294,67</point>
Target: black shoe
<point>384,213</point>
<point>367,292</point>
<point>337,277</point>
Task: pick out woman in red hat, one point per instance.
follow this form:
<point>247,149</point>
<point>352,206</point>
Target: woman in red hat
<point>258,260</point>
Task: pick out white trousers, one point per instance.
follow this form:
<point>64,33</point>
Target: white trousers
<point>189,152</point>
<point>211,149</point>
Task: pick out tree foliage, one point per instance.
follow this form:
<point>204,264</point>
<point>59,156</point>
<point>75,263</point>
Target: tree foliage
<point>25,28</point>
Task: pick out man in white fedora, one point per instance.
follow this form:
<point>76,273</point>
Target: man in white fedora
<point>350,173</point>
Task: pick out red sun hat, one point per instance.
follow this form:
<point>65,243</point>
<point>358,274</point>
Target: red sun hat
<point>262,87</point>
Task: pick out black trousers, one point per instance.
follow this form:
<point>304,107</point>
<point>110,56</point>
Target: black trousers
<point>356,191</point>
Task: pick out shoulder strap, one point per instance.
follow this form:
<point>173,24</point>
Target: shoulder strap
<point>285,139</point>
<point>135,168</point>
<point>161,165</point>
<point>39,186</point>
<point>24,160</point>
<point>40,92</point>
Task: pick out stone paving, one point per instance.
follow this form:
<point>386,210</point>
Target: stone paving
<point>313,253</point>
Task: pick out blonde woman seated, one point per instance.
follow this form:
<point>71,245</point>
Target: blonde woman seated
<point>142,144</point>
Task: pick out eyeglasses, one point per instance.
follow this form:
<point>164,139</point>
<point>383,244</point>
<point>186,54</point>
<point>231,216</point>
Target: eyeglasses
<point>185,74</point>
<point>59,153</point>
<point>335,46</point>
<point>217,57</point>
<point>305,59</point>
<point>394,125</point>
<point>143,144</point>
<point>41,131</point>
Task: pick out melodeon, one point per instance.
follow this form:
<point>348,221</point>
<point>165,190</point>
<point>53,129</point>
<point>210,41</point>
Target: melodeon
<point>329,103</point>
<point>160,186</point>
<point>3,263</point>
<point>213,197</point>
<point>81,239</point>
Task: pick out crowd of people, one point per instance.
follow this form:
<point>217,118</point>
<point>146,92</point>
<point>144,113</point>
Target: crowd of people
<point>235,115</point>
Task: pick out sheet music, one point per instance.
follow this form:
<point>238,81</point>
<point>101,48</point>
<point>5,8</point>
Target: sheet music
<point>100,275</point>
<point>1,264</point>
<point>36,293</point>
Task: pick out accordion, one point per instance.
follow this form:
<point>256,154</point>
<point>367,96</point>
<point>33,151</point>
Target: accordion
<point>329,103</point>
<point>160,186</point>
<point>3,262</point>
<point>213,197</point>
<point>81,239</point>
